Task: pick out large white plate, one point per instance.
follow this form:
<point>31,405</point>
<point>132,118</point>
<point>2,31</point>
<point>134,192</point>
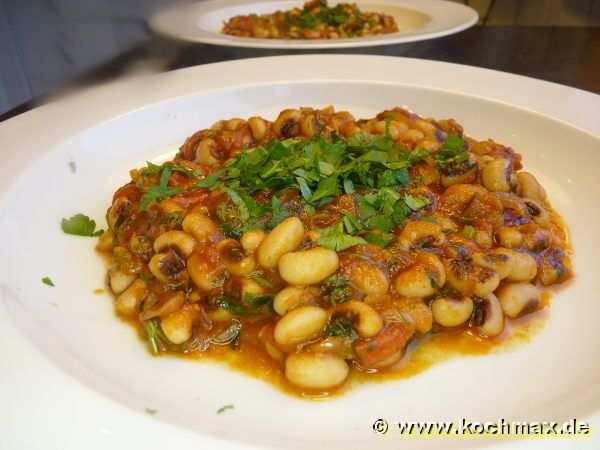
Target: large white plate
<point>417,20</point>
<point>73,376</point>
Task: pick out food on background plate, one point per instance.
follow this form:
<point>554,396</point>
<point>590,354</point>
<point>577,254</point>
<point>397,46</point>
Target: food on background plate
<point>316,20</point>
<point>318,247</point>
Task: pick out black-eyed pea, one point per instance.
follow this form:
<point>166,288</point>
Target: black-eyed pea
<point>128,303</point>
<point>536,239</point>
<point>284,238</point>
<point>416,233</point>
<point>309,266</point>
<point>518,299</point>
<point>529,187</point>
<point>274,352</point>
<point>207,152</point>
<point>488,318</point>
<point>315,371</point>
<point>291,297</point>
<point>178,325</point>
<point>498,175</point>
<point>300,325</point>
<point>469,278</point>
<point>119,281</point>
<point>497,259</point>
<point>250,240</point>
<point>412,134</point>
<point>524,267</point>
<point>451,312</point>
<point>173,302</point>
<point>181,241</point>
<point>364,318</point>
<point>167,267</point>
<point>286,124</point>
<point>310,126</point>
<point>234,124</point>
<point>258,126</point>
<point>234,257</point>
<point>461,176</point>
<point>510,237</point>
<point>368,279</point>
<point>203,272</point>
<point>538,213</point>
<point>219,315</point>
<point>422,278</point>
<point>200,226</point>
<point>168,206</point>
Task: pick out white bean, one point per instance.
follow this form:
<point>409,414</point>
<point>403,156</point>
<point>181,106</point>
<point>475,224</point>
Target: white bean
<point>284,238</point>
<point>308,266</point>
<point>315,371</point>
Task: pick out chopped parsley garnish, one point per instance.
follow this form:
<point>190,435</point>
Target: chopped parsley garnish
<point>222,409</point>
<point>47,281</point>
<point>334,238</point>
<point>73,166</point>
<point>453,156</point>
<point>159,191</point>
<point>156,338</point>
<point>319,169</point>
<point>262,281</point>
<point>80,225</point>
<point>251,304</point>
<point>340,326</point>
<point>336,289</point>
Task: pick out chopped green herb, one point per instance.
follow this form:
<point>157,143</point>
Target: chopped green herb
<point>151,411</point>
<point>334,238</point>
<point>47,281</point>
<point>416,202</point>
<point>336,289</point>
<point>340,326</point>
<point>222,409</point>
<point>156,338</point>
<point>250,305</point>
<point>159,191</point>
<point>380,239</point>
<point>80,225</point>
<point>429,219</point>
<point>73,166</point>
<point>262,281</point>
<point>469,232</point>
<point>173,219</point>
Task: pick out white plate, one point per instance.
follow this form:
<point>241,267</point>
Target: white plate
<point>73,376</point>
<point>417,20</point>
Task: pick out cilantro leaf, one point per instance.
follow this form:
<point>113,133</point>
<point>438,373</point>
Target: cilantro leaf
<point>416,202</point>
<point>157,192</point>
<point>47,281</point>
<point>222,409</point>
<point>160,191</point>
<point>334,238</point>
<point>80,225</point>
<point>156,338</point>
<point>326,187</point>
<point>336,289</point>
<point>341,326</point>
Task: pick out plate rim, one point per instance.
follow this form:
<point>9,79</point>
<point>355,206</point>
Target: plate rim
<point>156,23</point>
<point>288,70</point>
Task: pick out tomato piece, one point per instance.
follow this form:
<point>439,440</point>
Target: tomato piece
<point>129,191</point>
<point>370,351</point>
<point>190,198</point>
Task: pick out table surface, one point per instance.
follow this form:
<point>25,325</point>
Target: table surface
<point>566,55</point>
